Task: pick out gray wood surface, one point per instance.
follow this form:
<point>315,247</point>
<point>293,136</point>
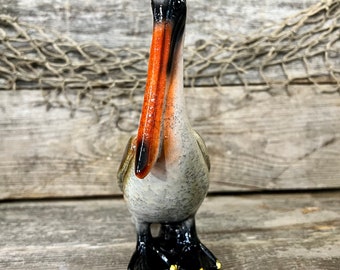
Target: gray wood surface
<point>122,23</point>
<point>292,231</point>
<point>259,141</point>
<point>119,24</point>
<point>285,138</point>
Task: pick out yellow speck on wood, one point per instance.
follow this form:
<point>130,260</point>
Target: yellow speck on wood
<point>311,209</point>
<point>324,228</point>
<point>218,264</point>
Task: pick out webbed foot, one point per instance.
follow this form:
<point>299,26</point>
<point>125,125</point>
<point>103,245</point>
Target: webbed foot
<point>147,255</point>
<point>148,258</point>
<point>184,249</point>
<point>198,257</point>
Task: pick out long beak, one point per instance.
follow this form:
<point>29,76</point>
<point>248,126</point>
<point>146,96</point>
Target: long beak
<point>169,21</point>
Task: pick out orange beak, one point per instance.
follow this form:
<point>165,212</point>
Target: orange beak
<point>169,21</point>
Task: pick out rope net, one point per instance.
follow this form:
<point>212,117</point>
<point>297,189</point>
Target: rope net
<point>304,48</point>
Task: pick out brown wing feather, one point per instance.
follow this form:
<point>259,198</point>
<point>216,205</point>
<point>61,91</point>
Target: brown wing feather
<point>126,162</point>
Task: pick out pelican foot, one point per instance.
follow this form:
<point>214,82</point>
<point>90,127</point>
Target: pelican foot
<point>148,255</point>
<point>180,243</point>
<point>148,258</point>
<point>197,257</point>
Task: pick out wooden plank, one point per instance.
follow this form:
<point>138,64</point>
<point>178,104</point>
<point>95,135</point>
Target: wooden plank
<point>42,152</point>
<point>291,231</point>
<point>256,141</point>
<point>119,23</point>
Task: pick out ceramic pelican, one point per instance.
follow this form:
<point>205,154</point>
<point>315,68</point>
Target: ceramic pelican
<point>164,170</point>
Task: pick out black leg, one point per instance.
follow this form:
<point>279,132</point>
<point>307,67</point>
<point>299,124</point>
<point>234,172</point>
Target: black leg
<point>184,248</point>
<point>147,255</point>
<point>194,254</point>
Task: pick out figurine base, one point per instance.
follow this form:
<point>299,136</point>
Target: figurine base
<point>176,248</point>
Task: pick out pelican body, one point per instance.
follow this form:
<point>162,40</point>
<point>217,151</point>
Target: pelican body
<point>165,167</point>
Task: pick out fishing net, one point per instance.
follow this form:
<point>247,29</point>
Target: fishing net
<point>303,49</point>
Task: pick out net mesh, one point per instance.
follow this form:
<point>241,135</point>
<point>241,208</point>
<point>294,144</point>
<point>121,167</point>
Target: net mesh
<point>304,48</point>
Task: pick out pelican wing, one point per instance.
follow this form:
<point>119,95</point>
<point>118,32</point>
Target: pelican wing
<point>125,163</point>
<point>203,148</point>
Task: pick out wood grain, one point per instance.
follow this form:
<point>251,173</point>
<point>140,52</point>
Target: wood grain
<point>122,23</point>
<point>292,231</point>
<point>259,141</point>
<point>277,138</point>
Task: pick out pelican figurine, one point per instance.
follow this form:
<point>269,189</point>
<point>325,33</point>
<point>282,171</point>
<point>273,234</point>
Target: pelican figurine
<point>164,170</point>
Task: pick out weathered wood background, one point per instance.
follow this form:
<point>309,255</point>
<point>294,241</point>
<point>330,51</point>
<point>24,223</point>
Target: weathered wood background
<point>260,142</point>
<point>286,141</point>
